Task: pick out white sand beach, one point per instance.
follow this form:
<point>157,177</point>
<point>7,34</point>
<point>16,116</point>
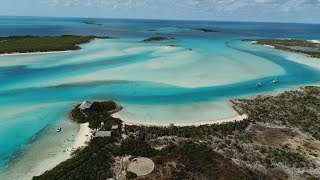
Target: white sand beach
<point>83,137</point>
<point>314,41</point>
<point>135,122</point>
<point>269,46</point>
<point>35,53</point>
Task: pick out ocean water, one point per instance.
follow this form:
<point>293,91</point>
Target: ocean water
<point>154,82</point>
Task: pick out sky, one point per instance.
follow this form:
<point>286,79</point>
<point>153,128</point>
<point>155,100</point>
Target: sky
<point>303,11</point>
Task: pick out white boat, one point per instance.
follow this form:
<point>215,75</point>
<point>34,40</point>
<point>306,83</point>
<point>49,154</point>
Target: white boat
<point>58,129</point>
<point>259,84</point>
<point>274,81</point>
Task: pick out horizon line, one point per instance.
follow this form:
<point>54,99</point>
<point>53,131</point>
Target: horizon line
<point>74,17</point>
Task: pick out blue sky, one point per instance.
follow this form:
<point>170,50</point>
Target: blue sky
<point>224,10</point>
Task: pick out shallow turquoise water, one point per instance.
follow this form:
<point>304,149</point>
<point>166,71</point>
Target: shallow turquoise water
<point>191,82</point>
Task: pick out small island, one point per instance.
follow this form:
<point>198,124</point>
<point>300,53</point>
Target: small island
<point>158,38</point>
<point>31,44</point>
<point>309,48</point>
<point>279,139</point>
<point>173,45</point>
<point>91,23</point>
<point>207,30</point>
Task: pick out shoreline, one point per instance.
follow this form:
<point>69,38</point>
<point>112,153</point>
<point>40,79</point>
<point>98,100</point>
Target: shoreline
<point>127,121</point>
<point>80,141</point>
<point>37,53</point>
<point>53,151</point>
<point>287,47</point>
<point>48,52</point>
<point>84,135</point>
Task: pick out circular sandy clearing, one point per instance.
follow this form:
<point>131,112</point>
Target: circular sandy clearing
<point>141,166</point>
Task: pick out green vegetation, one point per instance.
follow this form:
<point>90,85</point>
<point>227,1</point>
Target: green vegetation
<point>27,44</point>
<point>291,158</point>
<point>290,110</point>
<point>297,109</point>
<point>135,147</point>
<point>92,162</point>
<point>98,113</point>
<point>199,160</point>
<point>293,45</point>
<point>130,175</point>
<point>277,140</point>
<point>151,39</point>
<point>193,159</point>
<point>222,129</point>
<point>95,160</point>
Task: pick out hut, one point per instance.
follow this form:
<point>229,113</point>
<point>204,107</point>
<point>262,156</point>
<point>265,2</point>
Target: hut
<point>114,127</point>
<point>103,134</point>
<point>86,105</point>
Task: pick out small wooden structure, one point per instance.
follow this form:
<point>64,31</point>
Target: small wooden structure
<point>114,127</point>
<point>103,134</point>
<point>86,105</point>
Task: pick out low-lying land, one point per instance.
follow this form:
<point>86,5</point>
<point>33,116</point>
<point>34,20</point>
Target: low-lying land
<point>151,39</point>
<point>91,23</point>
<point>95,160</point>
<point>294,45</point>
<point>29,44</point>
<point>280,139</point>
<point>207,30</point>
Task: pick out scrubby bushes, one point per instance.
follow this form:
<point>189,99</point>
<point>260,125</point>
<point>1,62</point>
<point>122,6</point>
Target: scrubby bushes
<point>298,109</point>
<point>294,45</point>
<point>24,44</point>
<point>98,113</point>
<point>93,162</point>
<point>192,131</point>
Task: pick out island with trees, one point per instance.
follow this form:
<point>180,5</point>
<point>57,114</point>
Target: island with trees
<point>280,139</point>
<point>30,44</point>
<point>91,23</point>
<point>153,39</point>
<point>207,30</point>
<point>309,48</point>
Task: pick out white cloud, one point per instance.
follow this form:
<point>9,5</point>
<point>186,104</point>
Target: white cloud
<point>209,7</point>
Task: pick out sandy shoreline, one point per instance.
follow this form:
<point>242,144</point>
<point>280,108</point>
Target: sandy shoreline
<point>83,137</point>
<point>314,41</point>
<point>269,46</point>
<point>219,121</point>
<point>84,134</point>
<point>36,53</point>
<point>81,140</point>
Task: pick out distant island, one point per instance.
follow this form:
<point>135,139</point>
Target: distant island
<point>158,38</point>
<point>173,45</point>
<point>293,45</point>
<point>279,139</point>
<point>207,30</point>
<point>30,44</point>
<point>91,23</point>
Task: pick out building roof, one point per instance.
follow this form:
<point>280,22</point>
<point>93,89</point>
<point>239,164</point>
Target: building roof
<point>103,134</point>
<point>114,127</point>
<point>86,104</point>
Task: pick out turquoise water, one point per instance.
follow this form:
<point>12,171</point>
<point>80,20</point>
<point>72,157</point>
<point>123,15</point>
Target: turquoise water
<point>191,82</point>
